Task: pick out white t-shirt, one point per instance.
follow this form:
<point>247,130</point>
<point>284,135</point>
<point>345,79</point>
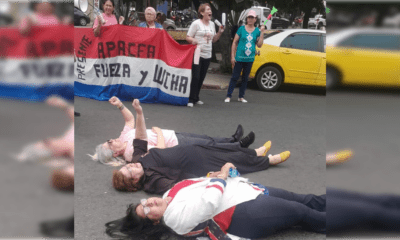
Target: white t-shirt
<point>128,135</point>
<point>204,35</point>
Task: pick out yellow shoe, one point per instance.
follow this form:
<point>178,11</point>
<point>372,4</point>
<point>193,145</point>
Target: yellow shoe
<point>339,157</point>
<point>267,146</point>
<point>284,156</point>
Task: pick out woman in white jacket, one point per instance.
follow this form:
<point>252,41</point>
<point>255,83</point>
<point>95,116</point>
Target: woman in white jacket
<point>223,208</point>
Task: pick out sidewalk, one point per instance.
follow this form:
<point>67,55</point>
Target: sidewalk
<point>215,79</point>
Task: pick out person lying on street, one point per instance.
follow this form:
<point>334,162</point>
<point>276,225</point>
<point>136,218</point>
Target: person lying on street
<point>118,151</point>
<point>220,206</point>
<point>157,170</point>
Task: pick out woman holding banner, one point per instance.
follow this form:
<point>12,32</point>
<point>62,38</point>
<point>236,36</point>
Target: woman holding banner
<point>243,53</point>
<point>201,33</point>
<point>43,16</point>
<point>107,18</point>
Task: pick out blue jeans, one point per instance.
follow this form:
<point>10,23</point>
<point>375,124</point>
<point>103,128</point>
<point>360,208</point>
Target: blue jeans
<point>246,66</point>
<point>281,209</point>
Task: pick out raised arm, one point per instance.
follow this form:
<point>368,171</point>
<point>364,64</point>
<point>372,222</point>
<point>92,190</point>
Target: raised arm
<point>218,35</point>
<point>63,105</point>
<point>140,122</point>
<point>97,26</point>
<point>128,116</point>
<point>160,137</point>
<point>261,37</point>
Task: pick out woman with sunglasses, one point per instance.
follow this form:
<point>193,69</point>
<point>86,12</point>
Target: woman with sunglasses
<point>243,53</point>
<point>108,17</point>
<point>220,206</point>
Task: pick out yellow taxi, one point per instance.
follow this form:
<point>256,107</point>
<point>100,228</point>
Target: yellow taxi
<point>364,57</point>
<point>291,56</point>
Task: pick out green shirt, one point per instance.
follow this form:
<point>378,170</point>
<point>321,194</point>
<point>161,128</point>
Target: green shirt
<point>246,49</point>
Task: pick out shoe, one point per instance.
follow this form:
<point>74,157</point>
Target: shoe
<point>77,114</point>
<point>238,134</point>
<point>227,99</point>
<point>58,228</point>
<point>200,102</point>
<point>242,100</point>
<point>248,140</point>
<point>190,104</point>
<point>267,145</point>
<point>338,157</point>
<point>284,156</point>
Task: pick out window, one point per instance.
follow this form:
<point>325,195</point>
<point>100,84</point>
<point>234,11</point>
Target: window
<point>266,12</point>
<point>302,41</point>
<point>272,34</point>
<point>374,41</point>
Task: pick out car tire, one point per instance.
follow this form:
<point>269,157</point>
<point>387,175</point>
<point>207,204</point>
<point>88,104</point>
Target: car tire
<point>269,79</point>
<point>332,78</point>
<point>82,22</point>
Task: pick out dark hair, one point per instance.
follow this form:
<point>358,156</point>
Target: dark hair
<point>33,4</point>
<point>112,2</point>
<point>121,183</point>
<point>133,227</point>
<point>202,8</point>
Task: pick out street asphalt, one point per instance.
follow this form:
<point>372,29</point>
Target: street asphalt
<point>366,121</point>
<point>27,197</point>
<point>293,119</point>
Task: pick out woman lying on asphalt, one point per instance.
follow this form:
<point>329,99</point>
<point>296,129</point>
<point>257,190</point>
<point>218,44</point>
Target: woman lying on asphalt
<point>62,146</point>
<point>219,206</point>
<point>117,151</point>
<point>158,170</point>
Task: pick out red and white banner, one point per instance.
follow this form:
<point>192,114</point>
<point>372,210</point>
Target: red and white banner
<point>37,65</point>
<point>132,62</point>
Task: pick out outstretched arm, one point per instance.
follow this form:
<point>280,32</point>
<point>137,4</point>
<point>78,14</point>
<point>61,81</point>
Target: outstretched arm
<point>128,116</point>
<point>63,105</point>
<point>140,123</point>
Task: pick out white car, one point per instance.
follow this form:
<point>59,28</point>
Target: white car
<point>262,15</point>
<point>317,21</point>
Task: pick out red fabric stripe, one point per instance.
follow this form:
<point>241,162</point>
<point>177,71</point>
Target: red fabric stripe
<point>224,218</point>
<point>194,233</point>
<point>165,47</point>
<point>207,230</point>
<point>49,41</point>
<point>216,186</point>
<point>175,189</point>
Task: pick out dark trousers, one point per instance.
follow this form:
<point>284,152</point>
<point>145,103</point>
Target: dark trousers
<point>279,210</point>
<point>198,75</point>
<point>192,138</point>
<point>347,210</point>
<point>246,66</point>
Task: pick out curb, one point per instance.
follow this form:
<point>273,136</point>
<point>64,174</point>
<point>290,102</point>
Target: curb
<point>212,86</point>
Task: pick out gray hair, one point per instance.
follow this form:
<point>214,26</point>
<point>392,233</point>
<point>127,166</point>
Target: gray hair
<point>105,156</point>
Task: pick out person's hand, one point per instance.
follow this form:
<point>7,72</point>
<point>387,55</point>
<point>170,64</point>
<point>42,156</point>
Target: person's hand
<point>156,130</point>
<point>99,20</point>
<point>233,61</point>
<point>121,20</point>
<point>225,170</point>
<point>195,42</point>
<point>115,101</point>
<point>137,107</point>
<point>262,27</point>
<point>221,29</point>
<point>214,174</point>
<point>57,102</point>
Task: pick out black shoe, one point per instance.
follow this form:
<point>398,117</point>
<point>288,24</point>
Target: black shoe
<point>248,140</point>
<point>58,228</point>
<point>238,134</point>
<point>77,114</point>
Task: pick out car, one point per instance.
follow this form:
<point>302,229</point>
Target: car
<point>317,22</point>
<point>262,15</point>
<point>80,18</point>
<point>280,23</point>
<point>364,57</point>
<point>291,56</point>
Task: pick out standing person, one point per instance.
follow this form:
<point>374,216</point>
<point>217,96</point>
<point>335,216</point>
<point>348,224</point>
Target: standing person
<point>150,15</point>
<point>243,53</point>
<point>108,16</point>
<point>202,33</point>
<point>43,16</point>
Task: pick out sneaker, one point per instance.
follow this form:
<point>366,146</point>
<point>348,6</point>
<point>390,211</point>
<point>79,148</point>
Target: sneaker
<point>242,100</point>
<point>190,104</point>
<point>338,157</point>
<point>238,134</point>
<point>267,146</point>
<point>200,102</point>
<point>227,99</point>
<point>248,140</point>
